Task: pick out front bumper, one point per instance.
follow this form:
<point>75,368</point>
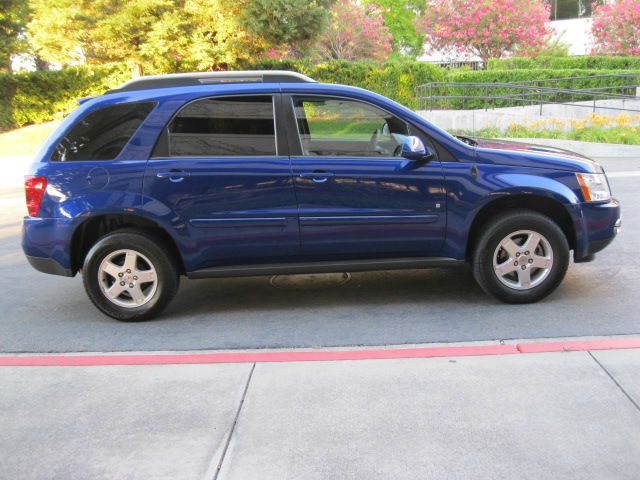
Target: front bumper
<point>599,224</point>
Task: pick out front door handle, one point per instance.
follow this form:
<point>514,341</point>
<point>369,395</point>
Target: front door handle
<point>319,176</point>
<point>174,176</point>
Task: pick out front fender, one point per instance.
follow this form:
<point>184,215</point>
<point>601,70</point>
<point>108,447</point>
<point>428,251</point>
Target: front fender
<point>468,196</point>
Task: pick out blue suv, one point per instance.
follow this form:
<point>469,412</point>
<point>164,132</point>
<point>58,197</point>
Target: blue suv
<point>261,173</point>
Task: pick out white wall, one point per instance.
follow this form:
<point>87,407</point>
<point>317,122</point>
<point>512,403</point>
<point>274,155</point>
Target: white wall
<point>576,33</point>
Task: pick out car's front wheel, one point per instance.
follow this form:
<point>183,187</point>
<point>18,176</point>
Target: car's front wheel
<point>520,257</point>
<point>130,276</point>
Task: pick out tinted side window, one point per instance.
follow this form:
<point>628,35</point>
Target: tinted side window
<point>102,134</point>
<point>224,126</point>
<point>347,128</point>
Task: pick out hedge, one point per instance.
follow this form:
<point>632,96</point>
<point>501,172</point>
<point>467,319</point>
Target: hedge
<point>530,77</point>
<point>37,97</point>
<point>565,63</point>
<point>396,80</point>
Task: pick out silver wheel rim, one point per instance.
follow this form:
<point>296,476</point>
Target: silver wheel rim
<point>127,278</point>
<point>523,260</point>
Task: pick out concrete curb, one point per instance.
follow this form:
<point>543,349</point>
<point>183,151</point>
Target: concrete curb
<point>320,355</point>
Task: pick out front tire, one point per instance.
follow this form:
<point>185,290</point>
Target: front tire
<point>130,276</point>
<point>521,256</point>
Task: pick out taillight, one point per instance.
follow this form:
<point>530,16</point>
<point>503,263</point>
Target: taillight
<point>34,188</point>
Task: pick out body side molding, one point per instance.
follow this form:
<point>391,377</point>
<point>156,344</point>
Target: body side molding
<point>326,267</point>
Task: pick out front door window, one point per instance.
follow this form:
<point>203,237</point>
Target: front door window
<point>346,128</point>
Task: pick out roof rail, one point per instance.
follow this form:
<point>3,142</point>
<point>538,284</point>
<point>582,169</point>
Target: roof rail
<point>208,78</point>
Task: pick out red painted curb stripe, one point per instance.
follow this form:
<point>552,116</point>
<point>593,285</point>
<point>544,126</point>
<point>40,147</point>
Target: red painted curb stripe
<point>295,356</point>
<point>311,356</point>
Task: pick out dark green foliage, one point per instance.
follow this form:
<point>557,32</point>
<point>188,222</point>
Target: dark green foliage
<point>37,97</point>
<point>564,63</point>
<point>396,80</point>
<point>13,14</point>
<point>42,96</point>
<point>286,22</point>
<point>399,17</point>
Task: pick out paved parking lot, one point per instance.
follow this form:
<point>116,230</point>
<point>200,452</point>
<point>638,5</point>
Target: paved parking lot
<point>42,313</point>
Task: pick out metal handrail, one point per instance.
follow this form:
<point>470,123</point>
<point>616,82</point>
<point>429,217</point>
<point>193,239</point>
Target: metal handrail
<point>604,75</point>
<point>526,92</point>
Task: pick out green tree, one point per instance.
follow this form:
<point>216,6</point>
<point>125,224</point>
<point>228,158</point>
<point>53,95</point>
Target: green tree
<point>93,31</point>
<point>400,17</point>
<point>291,23</point>
<point>202,35</point>
<point>161,35</point>
<point>13,14</point>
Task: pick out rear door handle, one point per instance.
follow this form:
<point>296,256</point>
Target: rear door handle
<point>174,176</point>
<point>319,176</point>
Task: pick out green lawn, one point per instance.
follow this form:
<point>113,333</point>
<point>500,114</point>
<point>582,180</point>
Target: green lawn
<point>25,141</point>
<point>342,129</point>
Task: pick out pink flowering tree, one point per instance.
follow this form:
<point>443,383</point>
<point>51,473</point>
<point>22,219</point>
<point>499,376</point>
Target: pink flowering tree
<point>616,28</point>
<point>356,31</point>
<point>484,28</point>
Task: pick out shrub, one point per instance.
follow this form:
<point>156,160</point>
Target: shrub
<point>36,97</point>
<point>396,80</point>
<point>564,63</point>
<point>42,96</point>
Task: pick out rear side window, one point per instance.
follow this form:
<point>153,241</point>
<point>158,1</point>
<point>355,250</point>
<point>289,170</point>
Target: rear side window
<point>102,134</point>
<point>232,126</point>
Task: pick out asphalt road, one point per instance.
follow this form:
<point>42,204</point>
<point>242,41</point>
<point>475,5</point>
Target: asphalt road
<point>42,313</point>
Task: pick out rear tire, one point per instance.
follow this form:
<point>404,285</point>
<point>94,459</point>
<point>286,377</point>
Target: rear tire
<point>130,276</point>
<point>521,256</point>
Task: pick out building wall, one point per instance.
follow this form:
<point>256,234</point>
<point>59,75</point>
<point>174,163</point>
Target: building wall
<point>576,33</point>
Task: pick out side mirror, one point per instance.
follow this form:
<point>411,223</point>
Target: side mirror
<point>414,149</point>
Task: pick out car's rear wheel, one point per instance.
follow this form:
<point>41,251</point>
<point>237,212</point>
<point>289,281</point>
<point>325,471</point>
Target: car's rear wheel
<point>521,256</point>
<point>130,276</point>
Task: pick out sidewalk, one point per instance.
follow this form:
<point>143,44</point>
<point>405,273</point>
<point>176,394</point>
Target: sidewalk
<point>555,415</point>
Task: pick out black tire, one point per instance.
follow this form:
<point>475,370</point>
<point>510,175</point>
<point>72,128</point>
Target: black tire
<point>492,234</point>
<point>150,249</point>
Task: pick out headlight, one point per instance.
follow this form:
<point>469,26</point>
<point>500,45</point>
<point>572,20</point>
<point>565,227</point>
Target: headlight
<point>595,187</point>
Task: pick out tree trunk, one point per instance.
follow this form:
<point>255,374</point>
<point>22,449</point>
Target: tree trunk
<point>40,63</point>
<point>136,70</point>
<point>5,64</point>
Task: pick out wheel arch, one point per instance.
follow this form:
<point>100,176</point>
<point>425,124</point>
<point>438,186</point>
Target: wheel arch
<point>87,233</point>
<point>549,207</point>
